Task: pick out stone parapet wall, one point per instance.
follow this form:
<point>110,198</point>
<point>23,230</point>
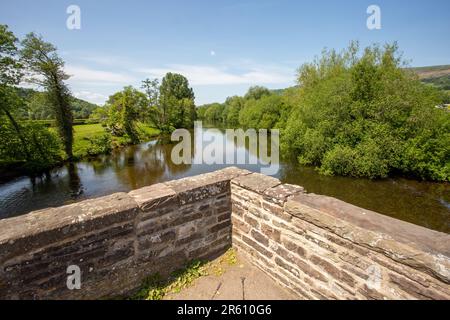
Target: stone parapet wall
<point>324,248</point>
<point>316,246</point>
<point>116,240</point>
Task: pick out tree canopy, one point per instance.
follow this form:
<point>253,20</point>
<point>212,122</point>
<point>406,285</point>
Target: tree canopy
<point>359,113</point>
<point>42,60</point>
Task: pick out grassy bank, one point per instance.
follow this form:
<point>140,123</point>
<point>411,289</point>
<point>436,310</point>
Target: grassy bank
<point>93,139</point>
<point>89,140</point>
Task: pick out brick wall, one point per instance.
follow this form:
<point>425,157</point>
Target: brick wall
<point>316,246</point>
<point>323,248</point>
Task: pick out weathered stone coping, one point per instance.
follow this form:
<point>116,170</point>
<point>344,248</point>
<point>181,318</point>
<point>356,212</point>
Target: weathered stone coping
<point>46,220</point>
<point>421,248</point>
<point>412,245</point>
<point>43,227</point>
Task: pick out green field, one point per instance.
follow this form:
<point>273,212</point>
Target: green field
<point>85,135</point>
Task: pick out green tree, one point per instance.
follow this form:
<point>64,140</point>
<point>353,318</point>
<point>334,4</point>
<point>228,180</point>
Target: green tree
<point>11,73</point>
<point>214,113</point>
<point>176,100</point>
<point>123,112</point>
<point>263,113</point>
<point>233,105</point>
<point>151,89</point>
<point>41,59</point>
<point>256,92</point>
<point>38,107</point>
<point>365,115</point>
<point>29,143</point>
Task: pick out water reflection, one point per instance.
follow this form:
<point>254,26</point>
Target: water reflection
<point>423,203</point>
<point>75,185</point>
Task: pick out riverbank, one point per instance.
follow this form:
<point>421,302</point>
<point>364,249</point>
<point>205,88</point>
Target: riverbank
<point>90,140</point>
<point>93,139</point>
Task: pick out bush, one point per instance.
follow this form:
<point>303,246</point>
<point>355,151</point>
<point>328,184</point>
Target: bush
<point>41,150</point>
<point>99,145</point>
<point>339,160</point>
<point>367,116</point>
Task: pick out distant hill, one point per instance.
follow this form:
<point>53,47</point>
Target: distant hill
<point>281,91</point>
<point>438,76</point>
<point>81,109</point>
<point>432,71</point>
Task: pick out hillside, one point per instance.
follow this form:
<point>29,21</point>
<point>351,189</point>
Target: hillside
<point>432,71</point>
<point>435,75</point>
<point>81,109</point>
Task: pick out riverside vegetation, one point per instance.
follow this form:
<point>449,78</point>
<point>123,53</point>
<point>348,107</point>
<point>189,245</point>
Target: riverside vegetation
<point>38,129</point>
<point>361,114</point>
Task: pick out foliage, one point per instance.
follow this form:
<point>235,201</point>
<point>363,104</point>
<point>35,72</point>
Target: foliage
<point>256,93</point>
<point>41,59</point>
<point>124,108</point>
<point>99,115</point>
<point>442,82</point>
<point>361,114</point>
<point>146,132</point>
<point>28,143</point>
<point>259,108</point>
<point>212,113</point>
<point>81,109</point>
<point>175,108</point>
<point>40,151</point>
<point>83,135</point>
<point>151,89</point>
<point>27,116</point>
<point>39,108</point>
<point>366,116</point>
<point>233,106</point>
<point>99,145</point>
<point>10,67</point>
<point>263,113</point>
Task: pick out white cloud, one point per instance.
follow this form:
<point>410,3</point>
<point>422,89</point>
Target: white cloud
<point>211,75</point>
<point>213,53</point>
<point>84,74</point>
<point>93,97</point>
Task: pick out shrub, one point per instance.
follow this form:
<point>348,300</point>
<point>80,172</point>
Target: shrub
<point>99,145</point>
<point>42,148</point>
<point>367,116</point>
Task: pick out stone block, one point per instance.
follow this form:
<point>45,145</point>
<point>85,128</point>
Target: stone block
<point>256,182</point>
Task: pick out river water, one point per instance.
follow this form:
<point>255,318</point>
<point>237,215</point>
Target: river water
<point>423,203</point>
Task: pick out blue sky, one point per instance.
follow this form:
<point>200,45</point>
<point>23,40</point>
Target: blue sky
<point>222,47</point>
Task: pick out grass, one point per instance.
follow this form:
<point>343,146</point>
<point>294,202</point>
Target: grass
<point>155,287</point>
<point>87,138</point>
<point>147,131</point>
<point>83,135</point>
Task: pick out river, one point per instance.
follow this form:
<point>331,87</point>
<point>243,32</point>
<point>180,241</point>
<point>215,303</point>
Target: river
<point>423,203</point>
